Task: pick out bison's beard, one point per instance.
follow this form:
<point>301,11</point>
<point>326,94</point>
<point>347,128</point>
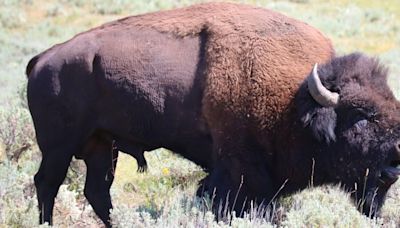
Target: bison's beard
<point>371,200</point>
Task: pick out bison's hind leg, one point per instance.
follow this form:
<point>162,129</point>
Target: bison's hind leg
<point>101,163</point>
<point>50,176</point>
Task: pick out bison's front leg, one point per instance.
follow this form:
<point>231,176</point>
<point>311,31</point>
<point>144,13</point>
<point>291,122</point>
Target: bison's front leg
<point>236,185</point>
<point>240,175</point>
<point>101,163</point>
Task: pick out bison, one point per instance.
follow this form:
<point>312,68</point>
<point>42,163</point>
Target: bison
<point>225,86</point>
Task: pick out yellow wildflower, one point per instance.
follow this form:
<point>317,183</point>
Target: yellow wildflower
<point>165,171</point>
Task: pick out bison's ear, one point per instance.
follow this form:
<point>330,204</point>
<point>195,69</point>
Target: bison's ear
<point>315,104</point>
<point>321,122</point>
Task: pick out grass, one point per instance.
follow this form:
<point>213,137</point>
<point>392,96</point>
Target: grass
<point>326,205</point>
<point>163,197</point>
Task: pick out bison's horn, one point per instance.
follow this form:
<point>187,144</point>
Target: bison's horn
<point>318,91</point>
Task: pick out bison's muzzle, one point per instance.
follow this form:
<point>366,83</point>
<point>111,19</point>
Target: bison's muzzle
<point>391,173</point>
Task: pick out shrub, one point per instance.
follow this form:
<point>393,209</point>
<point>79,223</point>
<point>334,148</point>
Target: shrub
<point>391,209</point>
<point>325,206</point>
<point>17,198</point>
<point>181,210</point>
<point>16,131</point>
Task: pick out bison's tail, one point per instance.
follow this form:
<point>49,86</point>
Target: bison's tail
<point>31,64</point>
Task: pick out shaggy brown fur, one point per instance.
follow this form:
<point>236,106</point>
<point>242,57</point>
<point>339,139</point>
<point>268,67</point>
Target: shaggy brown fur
<point>249,49</point>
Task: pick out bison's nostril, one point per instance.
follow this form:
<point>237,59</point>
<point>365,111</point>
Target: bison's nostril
<point>398,146</point>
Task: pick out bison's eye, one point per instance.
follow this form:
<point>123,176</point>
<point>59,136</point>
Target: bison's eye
<point>360,117</point>
<point>361,124</point>
<point>367,114</point>
<point>356,117</point>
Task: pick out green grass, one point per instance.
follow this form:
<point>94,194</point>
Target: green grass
<point>163,197</point>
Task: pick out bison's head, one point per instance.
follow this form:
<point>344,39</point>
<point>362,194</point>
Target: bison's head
<point>354,121</point>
